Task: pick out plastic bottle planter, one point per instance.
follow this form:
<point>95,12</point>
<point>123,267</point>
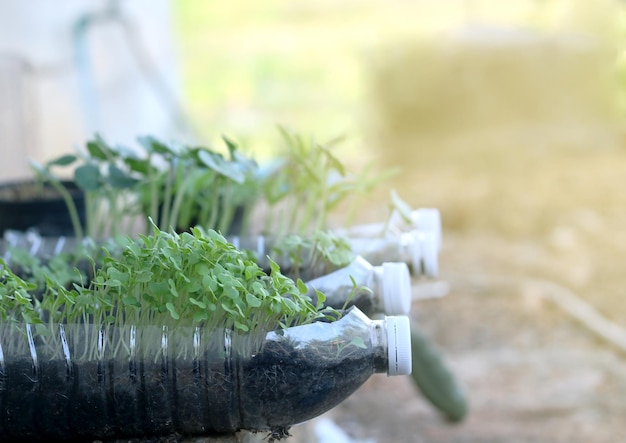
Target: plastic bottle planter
<point>388,287</point>
<point>82,382</point>
<point>423,219</point>
<point>419,249</point>
<point>415,241</point>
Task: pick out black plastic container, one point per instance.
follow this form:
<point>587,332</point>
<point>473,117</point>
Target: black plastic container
<point>29,205</point>
<point>82,382</point>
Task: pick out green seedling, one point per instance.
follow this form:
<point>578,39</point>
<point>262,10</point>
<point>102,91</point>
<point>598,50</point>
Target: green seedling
<point>177,186</point>
<point>171,280</point>
<point>308,184</point>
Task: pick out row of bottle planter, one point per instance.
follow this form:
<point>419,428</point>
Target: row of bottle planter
<point>78,382</point>
<point>418,249</point>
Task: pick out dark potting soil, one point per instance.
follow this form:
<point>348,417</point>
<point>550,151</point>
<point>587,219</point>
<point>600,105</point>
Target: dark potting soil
<point>284,385</point>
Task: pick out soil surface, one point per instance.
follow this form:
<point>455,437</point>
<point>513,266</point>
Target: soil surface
<point>531,372</point>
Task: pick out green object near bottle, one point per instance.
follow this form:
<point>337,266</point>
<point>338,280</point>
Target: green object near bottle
<point>434,379</point>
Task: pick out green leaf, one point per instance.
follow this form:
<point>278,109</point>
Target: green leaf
<point>252,300</point>
<point>321,299</point>
<point>241,326</point>
<point>198,303</point>
<point>401,206</point>
<point>64,160</point>
<point>274,268</point>
<point>117,274</point>
<point>302,287</point>
<point>209,283</point>
<point>228,309</point>
<point>143,276</point>
<point>172,310</point>
<point>120,179</point>
<point>172,286</point>
<point>96,149</point>
<point>131,301</point>
<point>200,316</point>
<point>138,165</point>
<point>217,163</point>
<point>151,144</point>
<point>231,292</point>
<point>333,161</point>
<point>87,177</point>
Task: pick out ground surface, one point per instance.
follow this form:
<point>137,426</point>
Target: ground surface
<point>531,373</point>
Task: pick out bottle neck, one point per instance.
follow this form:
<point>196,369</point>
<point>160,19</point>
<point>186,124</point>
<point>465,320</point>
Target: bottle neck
<point>376,285</point>
<point>378,337</point>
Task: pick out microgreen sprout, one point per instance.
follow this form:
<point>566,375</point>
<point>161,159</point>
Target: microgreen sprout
<point>176,185</point>
<point>193,278</point>
<point>319,253</point>
<point>16,302</point>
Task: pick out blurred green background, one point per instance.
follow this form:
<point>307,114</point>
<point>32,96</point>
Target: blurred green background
<point>247,66</point>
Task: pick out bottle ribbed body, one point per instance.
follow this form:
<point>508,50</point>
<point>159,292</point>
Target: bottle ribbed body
<point>80,382</point>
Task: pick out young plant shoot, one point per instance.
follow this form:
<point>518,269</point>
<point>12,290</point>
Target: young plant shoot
<point>195,278</point>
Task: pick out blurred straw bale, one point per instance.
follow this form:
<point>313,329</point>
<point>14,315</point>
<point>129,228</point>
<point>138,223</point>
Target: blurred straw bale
<point>481,78</point>
<point>501,128</point>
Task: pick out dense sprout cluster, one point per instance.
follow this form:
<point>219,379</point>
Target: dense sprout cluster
<point>193,278</point>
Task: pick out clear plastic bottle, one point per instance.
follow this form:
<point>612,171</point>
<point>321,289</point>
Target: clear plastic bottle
<point>380,289</point>
<point>82,382</point>
<point>417,248</point>
<point>422,219</point>
<point>414,238</point>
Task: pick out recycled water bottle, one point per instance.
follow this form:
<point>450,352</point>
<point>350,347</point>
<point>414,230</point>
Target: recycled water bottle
<point>414,239</point>
<point>84,382</point>
<point>417,248</point>
<point>379,289</point>
<point>422,219</point>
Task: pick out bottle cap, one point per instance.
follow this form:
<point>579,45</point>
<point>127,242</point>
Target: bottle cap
<point>428,220</point>
<point>413,239</point>
<point>398,345</point>
<point>396,288</point>
<point>424,250</point>
<point>430,250</point>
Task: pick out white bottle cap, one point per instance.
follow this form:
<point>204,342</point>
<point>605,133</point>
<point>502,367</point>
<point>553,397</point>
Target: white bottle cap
<point>396,288</point>
<point>415,243</point>
<point>424,250</point>
<point>398,345</point>
<point>428,220</point>
<point>430,250</point>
